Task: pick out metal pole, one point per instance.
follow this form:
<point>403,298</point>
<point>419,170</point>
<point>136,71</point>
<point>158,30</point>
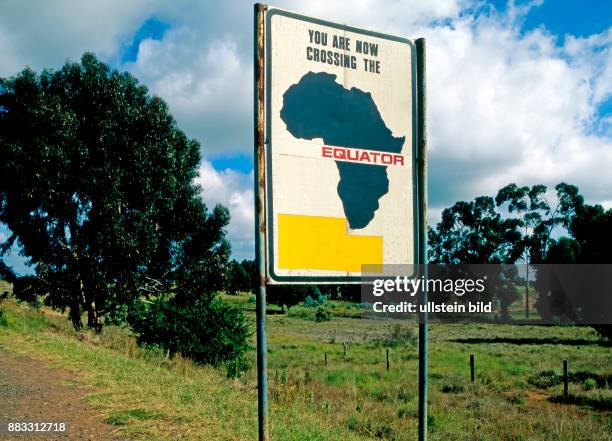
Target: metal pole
<point>422,193</point>
<point>472,368</point>
<point>565,381</point>
<point>388,361</point>
<point>260,222</point>
<point>527,290</point>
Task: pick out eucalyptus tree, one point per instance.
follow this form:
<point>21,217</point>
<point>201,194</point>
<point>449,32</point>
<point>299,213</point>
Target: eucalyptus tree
<point>97,187</point>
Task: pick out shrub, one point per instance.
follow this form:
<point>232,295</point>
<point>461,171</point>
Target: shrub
<point>290,295</point>
<point>3,320</point>
<point>399,336</point>
<point>252,299</point>
<point>589,384</point>
<point>116,315</point>
<point>316,300</point>
<point>604,330</point>
<point>323,315</point>
<point>207,331</point>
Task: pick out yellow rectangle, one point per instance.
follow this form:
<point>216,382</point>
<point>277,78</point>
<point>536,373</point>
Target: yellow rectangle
<point>322,243</point>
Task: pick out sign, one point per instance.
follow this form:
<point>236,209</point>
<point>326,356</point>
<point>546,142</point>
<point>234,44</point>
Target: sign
<point>340,131</point>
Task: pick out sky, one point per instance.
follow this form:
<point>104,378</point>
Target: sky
<point>519,91</point>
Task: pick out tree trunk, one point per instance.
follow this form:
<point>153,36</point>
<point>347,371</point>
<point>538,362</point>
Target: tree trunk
<point>88,293</point>
<point>93,320</point>
<point>75,315</point>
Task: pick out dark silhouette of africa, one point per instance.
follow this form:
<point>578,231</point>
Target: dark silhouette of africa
<point>318,107</point>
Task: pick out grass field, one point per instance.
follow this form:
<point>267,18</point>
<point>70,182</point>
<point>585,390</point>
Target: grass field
<point>516,396</point>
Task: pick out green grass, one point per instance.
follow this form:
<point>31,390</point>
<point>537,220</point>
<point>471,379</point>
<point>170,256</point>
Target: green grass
<point>515,396</point>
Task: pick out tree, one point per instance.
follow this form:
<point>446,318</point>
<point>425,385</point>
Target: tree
<point>538,218</point>
<point>98,189</point>
<point>6,273</point>
<point>289,295</point>
<point>236,278</point>
<point>591,228</point>
<point>240,277</point>
<point>474,232</point>
<point>589,242</point>
<point>252,275</point>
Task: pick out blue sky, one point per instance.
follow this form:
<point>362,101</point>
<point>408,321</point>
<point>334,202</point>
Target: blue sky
<point>580,18</point>
<point>518,91</point>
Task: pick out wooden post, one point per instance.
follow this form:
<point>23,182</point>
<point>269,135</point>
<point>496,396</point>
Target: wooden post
<point>565,381</point>
<point>472,367</point>
<point>345,344</point>
<point>326,359</point>
<point>388,363</point>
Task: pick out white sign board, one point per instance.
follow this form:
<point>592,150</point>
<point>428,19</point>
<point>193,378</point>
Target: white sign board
<point>340,112</point>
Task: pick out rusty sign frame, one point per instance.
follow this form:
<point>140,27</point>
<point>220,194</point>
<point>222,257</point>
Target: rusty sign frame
<point>265,169</point>
<point>419,143</point>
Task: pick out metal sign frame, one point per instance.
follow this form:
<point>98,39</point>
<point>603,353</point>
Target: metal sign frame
<point>261,86</point>
<point>271,276</point>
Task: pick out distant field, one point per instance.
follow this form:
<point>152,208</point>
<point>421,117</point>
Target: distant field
<point>515,397</point>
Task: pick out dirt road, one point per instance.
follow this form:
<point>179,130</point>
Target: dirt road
<point>31,391</point>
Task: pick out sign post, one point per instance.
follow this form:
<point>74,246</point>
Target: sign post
<point>422,166</point>
<point>340,151</point>
<point>260,224</point>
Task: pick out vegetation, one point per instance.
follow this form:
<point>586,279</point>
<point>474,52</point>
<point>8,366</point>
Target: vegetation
<point>521,223</point>
<point>206,332</point>
<point>240,277</point>
<point>517,393</point>
<point>98,189</point>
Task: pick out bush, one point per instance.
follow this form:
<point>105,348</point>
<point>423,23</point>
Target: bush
<point>323,315</point>
<point>589,384</point>
<point>398,336</point>
<point>207,331</point>
<point>315,300</point>
<point>3,320</point>
<point>116,315</point>
<point>604,330</point>
<point>290,295</point>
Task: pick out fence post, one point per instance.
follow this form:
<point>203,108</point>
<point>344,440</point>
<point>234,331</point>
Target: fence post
<point>326,359</point>
<point>472,367</point>
<point>565,380</point>
<point>345,344</point>
<point>388,363</point>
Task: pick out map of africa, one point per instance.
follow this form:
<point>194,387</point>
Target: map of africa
<point>319,107</point>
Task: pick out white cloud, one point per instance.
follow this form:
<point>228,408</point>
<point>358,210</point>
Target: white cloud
<point>44,34</point>
<point>504,105</point>
<point>208,88</point>
<point>233,190</point>
<point>204,68</point>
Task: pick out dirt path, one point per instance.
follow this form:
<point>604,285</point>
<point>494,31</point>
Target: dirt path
<point>32,392</point>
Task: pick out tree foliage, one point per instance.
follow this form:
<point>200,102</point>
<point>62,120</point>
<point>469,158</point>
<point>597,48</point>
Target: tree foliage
<point>474,232</point>
<point>589,241</point>
<point>289,295</point>
<point>240,277</point>
<point>98,190</point>
<point>537,217</point>
<point>526,222</point>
